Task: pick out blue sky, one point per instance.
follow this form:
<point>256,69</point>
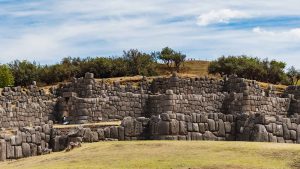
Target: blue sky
<point>46,31</point>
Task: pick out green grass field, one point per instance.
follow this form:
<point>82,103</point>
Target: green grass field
<point>167,154</point>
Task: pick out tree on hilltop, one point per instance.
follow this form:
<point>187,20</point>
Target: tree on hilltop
<point>172,59</point>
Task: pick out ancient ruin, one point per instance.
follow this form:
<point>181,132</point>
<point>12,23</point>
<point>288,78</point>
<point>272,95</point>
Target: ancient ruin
<point>173,108</point>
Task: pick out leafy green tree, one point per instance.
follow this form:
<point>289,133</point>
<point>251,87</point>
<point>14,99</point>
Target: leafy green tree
<point>6,76</point>
<point>293,75</point>
<point>172,59</point>
<point>139,63</point>
<point>24,72</point>
<point>249,67</point>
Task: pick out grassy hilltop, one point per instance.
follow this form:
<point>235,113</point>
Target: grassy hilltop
<point>168,154</point>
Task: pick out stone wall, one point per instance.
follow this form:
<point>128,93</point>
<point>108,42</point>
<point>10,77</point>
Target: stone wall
<point>266,128</point>
<point>186,103</point>
<point>25,142</point>
<point>195,126</point>
<point>250,104</point>
<point>187,85</point>
<point>44,139</point>
<point>167,108</point>
<point>25,107</point>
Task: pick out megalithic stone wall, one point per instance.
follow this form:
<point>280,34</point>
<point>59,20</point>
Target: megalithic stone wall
<point>165,108</point>
<point>196,126</point>
<point>25,107</point>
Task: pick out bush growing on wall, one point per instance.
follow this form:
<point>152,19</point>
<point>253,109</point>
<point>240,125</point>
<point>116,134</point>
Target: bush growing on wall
<point>250,68</point>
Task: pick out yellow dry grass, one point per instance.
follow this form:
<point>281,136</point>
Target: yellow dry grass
<point>167,154</point>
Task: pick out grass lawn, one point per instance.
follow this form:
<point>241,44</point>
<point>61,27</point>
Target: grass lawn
<point>167,154</point>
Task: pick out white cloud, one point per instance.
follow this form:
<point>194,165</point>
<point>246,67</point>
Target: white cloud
<point>291,34</point>
<point>220,16</point>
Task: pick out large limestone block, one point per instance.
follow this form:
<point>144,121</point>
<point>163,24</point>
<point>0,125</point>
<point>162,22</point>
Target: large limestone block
<point>128,124</point>
<point>286,132</point>
<point>211,125</point>
<point>59,143</point>
<point>18,152</point>
<point>195,127</point>
<point>227,126</point>
<point>209,136</point>
<point>10,151</point>
<point>2,150</point>
<point>121,132</point>
<point>88,135</point>
<point>33,148</point>
<point>182,128</point>
<point>164,127</point>
<point>114,133</point>
<point>94,137</point>
<point>298,134</point>
<point>279,131</point>
<point>174,127</point>
<point>201,127</point>
<point>100,134</point>
<point>26,150</point>
<point>260,133</point>
<point>107,132</point>
<point>293,135</point>
<point>221,132</point>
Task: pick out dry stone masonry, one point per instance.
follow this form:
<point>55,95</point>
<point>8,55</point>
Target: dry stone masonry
<point>173,108</point>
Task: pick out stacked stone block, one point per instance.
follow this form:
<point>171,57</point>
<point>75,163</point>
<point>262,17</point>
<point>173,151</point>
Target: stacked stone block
<point>196,126</point>
<point>28,107</point>
<point>187,85</point>
<point>266,128</point>
<point>26,142</point>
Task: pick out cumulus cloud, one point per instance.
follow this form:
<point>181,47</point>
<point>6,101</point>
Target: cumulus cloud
<point>220,16</point>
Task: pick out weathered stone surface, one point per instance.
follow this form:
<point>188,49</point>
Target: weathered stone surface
<point>121,132</point>
<point>164,127</point>
<point>33,148</point>
<point>260,134</point>
<point>114,133</point>
<point>221,132</point>
<point>88,135</point>
<point>209,136</point>
<point>211,125</point>
<point>182,128</point>
<point>18,152</point>
<point>174,127</point>
<point>227,126</point>
<point>2,150</point>
<point>100,134</point>
<point>26,150</point>
<point>10,151</point>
